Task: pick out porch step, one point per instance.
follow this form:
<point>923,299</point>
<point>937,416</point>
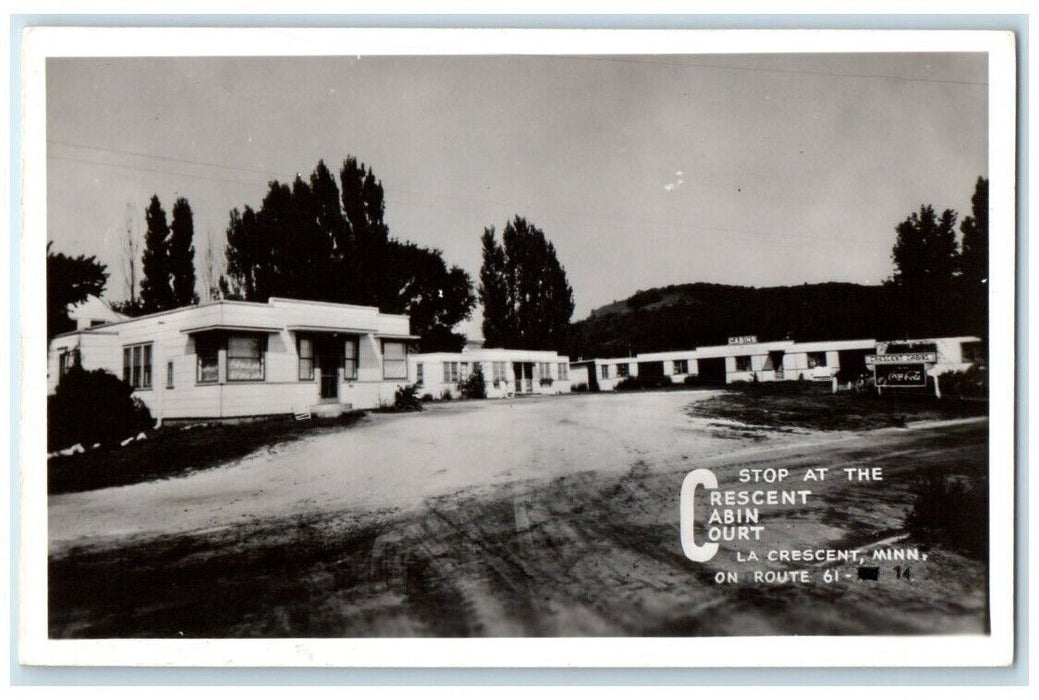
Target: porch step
<point>330,410</point>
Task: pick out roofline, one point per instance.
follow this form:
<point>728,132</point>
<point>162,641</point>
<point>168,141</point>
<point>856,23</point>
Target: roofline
<point>234,302</point>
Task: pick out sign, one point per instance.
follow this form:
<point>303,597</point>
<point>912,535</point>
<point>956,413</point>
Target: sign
<point>743,339</point>
<point>902,358</point>
<point>900,375</point>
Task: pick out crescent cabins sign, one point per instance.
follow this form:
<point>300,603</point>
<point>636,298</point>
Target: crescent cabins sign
<point>902,370</point>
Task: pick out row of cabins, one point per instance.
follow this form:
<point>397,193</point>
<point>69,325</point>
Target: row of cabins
<point>234,359</point>
<point>781,360</point>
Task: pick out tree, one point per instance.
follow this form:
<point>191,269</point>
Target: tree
<point>435,297</point>
<point>182,254</point>
<point>130,250</point>
<point>925,250</point>
<point>156,290</point>
<point>494,292</point>
<point>926,267</point>
<point>70,281</point>
<point>538,298</point>
<point>974,258</point>
<point>210,277</point>
<point>314,240</point>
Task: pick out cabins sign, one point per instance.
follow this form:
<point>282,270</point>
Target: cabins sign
<point>902,358</point>
<point>743,339</point>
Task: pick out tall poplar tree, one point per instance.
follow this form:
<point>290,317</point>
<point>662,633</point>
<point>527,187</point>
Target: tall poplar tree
<point>974,257</point>
<point>494,292</point>
<point>535,308</point>
<point>182,254</point>
<point>156,290</point>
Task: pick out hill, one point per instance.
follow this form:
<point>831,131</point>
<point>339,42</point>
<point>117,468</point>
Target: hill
<point>689,315</point>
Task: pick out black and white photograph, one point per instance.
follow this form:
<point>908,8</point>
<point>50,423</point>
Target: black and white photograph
<point>676,343</point>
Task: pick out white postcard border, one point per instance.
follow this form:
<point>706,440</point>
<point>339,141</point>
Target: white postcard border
<point>995,649</point>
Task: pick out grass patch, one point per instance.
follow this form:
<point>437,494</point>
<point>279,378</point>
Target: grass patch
<point>174,451</point>
<point>785,405</point>
<point>951,511</point>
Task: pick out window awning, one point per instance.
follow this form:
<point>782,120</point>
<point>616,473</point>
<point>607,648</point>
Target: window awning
<point>331,329</point>
<point>230,327</point>
<point>396,336</point>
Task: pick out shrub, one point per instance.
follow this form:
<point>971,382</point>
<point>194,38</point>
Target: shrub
<point>693,380</point>
<point>427,396</point>
<point>638,383</point>
<point>581,387</point>
<point>952,511</point>
<point>473,386</point>
<point>93,407</point>
<point>406,398</point>
<point>445,395</point>
<point>546,381</point>
<point>972,383</point>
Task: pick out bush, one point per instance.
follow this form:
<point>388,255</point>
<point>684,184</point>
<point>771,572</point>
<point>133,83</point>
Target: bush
<point>445,395</point>
<point>406,398</point>
<point>973,383</point>
<point>93,407</point>
<point>579,388</point>
<point>546,381</point>
<point>952,511</point>
<point>473,386</point>
<point>694,380</point>
<point>639,383</point>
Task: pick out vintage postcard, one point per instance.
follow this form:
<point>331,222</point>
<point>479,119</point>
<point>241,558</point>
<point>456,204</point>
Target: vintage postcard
<point>517,348</point>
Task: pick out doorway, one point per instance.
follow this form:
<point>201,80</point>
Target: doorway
<point>524,375</point>
<point>329,357</point>
<point>711,370</point>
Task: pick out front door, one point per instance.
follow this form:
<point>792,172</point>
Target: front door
<point>328,361</point>
<point>524,374</point>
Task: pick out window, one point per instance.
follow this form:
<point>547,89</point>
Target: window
<point>169,374</point>
<point>450,372</point>
<point>816,359</point>
<point>973,351</point>
<point>498,372</point>
<point>622,369</point>
<point>137,365</point>
<point>207,350</point>
<point>394,360</point>
<point>463,371</point>
<point>350,358</point>
<point>545,370</point>
<point>743,363</point>
<point>66,359</point>
<point>245,358</point>
<point>564,371</point>
<point>605,371</point>
<point>305,348</point>
<point>681,367</point>
<point>420,374</point>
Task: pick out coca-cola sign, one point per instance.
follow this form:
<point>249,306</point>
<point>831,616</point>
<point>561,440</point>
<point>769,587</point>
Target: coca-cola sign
<point>901,375</point>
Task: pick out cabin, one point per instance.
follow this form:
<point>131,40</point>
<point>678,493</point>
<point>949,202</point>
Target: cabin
<point>236,359</point>
<point>506,372</point>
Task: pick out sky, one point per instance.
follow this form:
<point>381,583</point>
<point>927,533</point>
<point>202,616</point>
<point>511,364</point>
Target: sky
<point>643,171</point>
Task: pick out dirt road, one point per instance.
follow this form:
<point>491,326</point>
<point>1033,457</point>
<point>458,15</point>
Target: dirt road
<point>529,517</point>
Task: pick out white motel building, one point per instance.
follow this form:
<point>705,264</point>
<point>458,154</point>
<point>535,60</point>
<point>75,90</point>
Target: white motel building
<point>505,372</point>
<point>744,359</point>
<point>230,359</point>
